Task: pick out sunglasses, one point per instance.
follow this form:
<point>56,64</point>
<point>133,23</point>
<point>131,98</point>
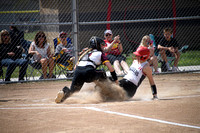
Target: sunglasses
<point>108,34</point>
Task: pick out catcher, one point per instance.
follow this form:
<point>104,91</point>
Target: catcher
<point>86,69</point>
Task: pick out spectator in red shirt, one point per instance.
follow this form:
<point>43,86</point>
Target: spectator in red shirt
<point>113,50</point>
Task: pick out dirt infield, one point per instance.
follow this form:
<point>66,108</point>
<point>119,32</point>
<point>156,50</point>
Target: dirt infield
<point>30,108</point>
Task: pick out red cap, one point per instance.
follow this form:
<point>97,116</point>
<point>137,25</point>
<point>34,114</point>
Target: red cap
<point>62,33</point>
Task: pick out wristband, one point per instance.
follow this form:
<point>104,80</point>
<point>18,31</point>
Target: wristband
<point>114,75</point>
<point>153,89</point>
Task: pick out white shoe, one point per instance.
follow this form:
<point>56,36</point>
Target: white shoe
<point>175,69</point>
<point>168,67</point>
<point>59,96</point>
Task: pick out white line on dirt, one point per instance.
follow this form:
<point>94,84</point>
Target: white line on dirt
<point>30,106</point>
<point>143,118</point>
<point>108,112</point>
<point>176,97</point>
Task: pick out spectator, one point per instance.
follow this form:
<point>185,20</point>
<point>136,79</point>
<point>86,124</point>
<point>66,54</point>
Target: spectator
<point>17,36</point>
<point>113,49</point>
<point>41,52</point>
<point>11,56</point>
<point>66,49</point>
<point>168,47</point>
<point>146,42</point>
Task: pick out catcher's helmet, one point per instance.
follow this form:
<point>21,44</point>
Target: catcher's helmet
<point>143,52</point>
<point>95,43</point>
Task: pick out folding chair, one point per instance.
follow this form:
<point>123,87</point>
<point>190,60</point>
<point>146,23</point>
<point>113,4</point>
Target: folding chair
<point>64,67</point>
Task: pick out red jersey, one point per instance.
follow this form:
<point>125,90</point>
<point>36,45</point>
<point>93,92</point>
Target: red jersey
<point>115,48</point>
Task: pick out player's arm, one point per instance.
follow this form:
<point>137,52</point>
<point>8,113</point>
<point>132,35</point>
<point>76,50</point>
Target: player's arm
<point>148,71</point>
<point>107,63</point>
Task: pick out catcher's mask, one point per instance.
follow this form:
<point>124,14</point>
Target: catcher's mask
<point>96,42</point>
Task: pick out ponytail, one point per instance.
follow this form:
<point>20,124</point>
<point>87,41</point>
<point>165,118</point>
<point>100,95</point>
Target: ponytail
<point>88,50</point>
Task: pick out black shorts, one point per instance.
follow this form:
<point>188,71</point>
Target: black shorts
<point>113,58</point>
<point>128,86</point>
<point>86,74</point>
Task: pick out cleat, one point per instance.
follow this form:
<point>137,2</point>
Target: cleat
<point>60,96</point>
<point>63,94</point>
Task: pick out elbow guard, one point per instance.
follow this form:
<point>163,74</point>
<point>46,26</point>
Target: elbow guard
<point>114,75</point>
<point>154,89</point>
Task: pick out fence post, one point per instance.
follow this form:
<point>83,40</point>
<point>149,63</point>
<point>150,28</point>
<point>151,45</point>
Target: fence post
<point>75,27</point>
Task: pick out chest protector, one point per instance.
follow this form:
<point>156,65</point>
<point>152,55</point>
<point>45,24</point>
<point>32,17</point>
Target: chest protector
<point>93,57</point>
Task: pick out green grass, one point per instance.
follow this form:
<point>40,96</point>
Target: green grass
<point>30,36</point>
<point>190,58</point>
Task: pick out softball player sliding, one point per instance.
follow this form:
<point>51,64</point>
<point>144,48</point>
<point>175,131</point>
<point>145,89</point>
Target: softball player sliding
<point>86,69</point>
<point>139,69</point>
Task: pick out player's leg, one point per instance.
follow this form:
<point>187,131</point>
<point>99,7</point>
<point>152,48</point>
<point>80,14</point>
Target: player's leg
<point>77,83</point>
<point>128,86</point>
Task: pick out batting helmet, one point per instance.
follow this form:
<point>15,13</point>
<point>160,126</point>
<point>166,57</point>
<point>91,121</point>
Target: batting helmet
<point>143,52</point>
<point>95,43</point>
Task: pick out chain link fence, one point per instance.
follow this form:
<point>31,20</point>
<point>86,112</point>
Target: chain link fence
<point>131,19</point>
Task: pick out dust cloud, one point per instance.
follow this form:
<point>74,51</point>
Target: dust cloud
<point>92,93</point>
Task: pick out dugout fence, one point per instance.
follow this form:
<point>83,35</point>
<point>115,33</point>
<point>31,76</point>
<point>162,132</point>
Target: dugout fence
<point>131,19</point>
